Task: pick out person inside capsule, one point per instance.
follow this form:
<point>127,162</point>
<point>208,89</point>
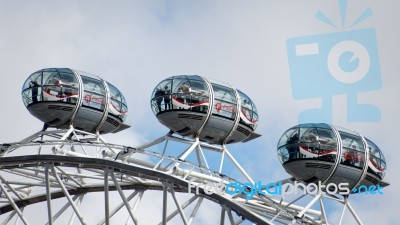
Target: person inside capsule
<point>353,150</point>
<point>180,93</point>
<point>307,142</point>
<point>60,87</point>
<point>292,146</point>
<point>35,89</point>
<point>320,144</point>
<point>167,98</point>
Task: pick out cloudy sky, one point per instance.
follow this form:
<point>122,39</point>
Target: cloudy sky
<point>136,44</point>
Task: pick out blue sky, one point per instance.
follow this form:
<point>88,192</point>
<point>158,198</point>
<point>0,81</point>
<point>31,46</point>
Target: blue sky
<point>136,44</point>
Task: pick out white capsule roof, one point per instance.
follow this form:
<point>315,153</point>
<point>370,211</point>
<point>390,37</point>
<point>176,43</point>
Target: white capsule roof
<point>192,105</point>
<point>320,152</point>
<point>61,97</point>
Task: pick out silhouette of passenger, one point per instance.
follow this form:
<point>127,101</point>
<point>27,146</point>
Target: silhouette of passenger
<point>35,87</point>
<point>159,98</point>
<point>292,146</point>
<point>167,98</point>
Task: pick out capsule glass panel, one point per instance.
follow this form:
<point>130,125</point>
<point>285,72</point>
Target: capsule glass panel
<point>161,98</point>
<point>224,102</point>
<point>117,106</point>
<point>94,93</point>
<point>288,146</point>
<point>327,145</point>
<point>32,89</point>
<point>308,141</point>
<point>58,85</point>
<point>353,152</point>
<point>248,111</point>
<point>376,163</point>
<point>309,146</point>
<point>181,93</point>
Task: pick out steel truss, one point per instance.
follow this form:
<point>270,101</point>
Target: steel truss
<point>72,164</point>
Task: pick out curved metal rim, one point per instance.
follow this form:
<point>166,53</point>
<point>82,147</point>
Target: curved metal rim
<point>181,185</point>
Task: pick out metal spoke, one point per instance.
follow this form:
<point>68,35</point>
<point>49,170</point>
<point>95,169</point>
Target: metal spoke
<point>59,213</point>
<point>124,199</point>
<point>117,208</point>
<point>195,210</point>
<point>222,217</point>
<point>3,190</point>
<point>186,204</point>
<point>48,194</point>
<point>106,198</point>
<point>178,205</point>
<point>67,195</point>
<point>9,218</point>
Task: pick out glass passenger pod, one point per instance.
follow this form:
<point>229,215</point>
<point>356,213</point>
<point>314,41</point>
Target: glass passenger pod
<point>187,93</point>
<point>60,97</point>
<point>215,111</point>
<point>309,152</point>
<point>308,141</point>
<point>376,162</point>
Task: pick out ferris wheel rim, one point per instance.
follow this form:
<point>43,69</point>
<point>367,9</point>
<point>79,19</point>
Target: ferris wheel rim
<point>180,185</point>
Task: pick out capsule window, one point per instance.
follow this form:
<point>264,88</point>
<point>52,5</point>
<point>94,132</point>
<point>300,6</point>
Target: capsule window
<point>224,102</point>
<point>352,150</point>
<point>32,90</point>
<point>117,105</point>
<point>291,136</point>
<point>181,93</point>
<point>197,96</point>
<point>248,112</point>
<point>190,94</point>
<point>289,145</point>
<point>162,96</point>
<point>94,93</point>
<point>328,145</point>
<point>376,163</point>
<point>50,85</point>
<point>309,145</point>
